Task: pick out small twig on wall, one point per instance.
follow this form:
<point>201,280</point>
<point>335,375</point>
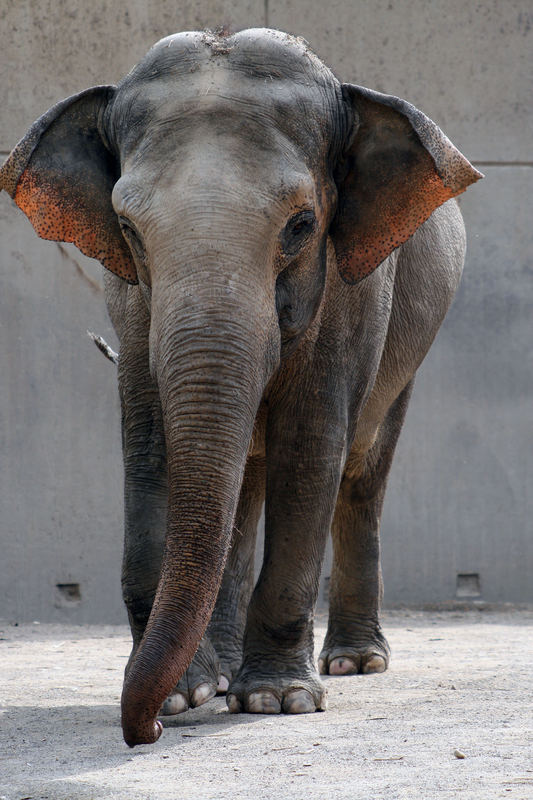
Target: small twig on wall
<point>103,346</point>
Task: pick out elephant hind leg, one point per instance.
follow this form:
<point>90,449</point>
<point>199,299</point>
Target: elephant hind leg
<point>354,641</point>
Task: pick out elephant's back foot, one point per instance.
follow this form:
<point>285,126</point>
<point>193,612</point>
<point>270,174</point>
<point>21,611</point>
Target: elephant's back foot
<point>354,647</point>
<point>198,684</point>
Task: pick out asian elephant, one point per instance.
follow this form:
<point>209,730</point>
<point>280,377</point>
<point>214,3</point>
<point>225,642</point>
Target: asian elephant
<point>281,250</point>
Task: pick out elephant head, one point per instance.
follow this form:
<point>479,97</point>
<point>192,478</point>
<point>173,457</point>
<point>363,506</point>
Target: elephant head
<point>214,175</point>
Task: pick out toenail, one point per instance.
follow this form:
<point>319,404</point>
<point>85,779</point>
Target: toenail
<point>202,694</point>
<point>299,701</point>
<point>374,664</point>
<point>342,666</point>
<point>223,685</point>
<point>175,704</point>
<point>263,703</point>
<point>233,704</point>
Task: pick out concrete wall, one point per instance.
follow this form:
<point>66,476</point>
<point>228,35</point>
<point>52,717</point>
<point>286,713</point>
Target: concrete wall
<point>458,499</point>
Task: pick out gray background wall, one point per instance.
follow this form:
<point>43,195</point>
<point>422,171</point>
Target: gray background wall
<point>458,499</point>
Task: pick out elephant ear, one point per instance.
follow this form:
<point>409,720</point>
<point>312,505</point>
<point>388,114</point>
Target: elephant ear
<point>397,169</point>
<point>61,174</point>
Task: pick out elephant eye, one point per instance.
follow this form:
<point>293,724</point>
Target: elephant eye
<point>296,231</point>
<point>133,238</point>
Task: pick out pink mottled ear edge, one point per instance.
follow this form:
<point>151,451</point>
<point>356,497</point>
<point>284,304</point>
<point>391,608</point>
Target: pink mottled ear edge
<point>398,168</point>
<point>61,174</point>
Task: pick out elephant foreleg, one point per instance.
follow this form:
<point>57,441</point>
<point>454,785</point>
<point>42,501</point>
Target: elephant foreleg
<point>145,472</point>
<point>145,510</point>
<point>304,458</point>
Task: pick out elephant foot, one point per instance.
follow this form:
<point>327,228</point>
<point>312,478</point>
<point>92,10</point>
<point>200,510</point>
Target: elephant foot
<point>226,670</point>
<point>261,693</point>
<point>228,645</point>
<point>199,683</point>
<point>362,652</point>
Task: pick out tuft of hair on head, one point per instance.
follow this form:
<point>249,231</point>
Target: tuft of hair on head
<point>217,39</point>
<point>224,31</point>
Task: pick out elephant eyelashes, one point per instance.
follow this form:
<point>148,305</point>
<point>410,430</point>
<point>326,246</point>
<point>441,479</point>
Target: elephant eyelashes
<point>297,231</point>
<point>136,246</point>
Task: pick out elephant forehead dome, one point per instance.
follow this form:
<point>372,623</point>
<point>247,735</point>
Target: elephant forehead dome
<point>269,53</point>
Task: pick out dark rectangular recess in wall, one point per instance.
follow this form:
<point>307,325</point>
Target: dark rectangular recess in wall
<point>468,585</point>
<point>69,592</point>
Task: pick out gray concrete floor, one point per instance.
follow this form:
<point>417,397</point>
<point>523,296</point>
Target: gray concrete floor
<point>458,681</point>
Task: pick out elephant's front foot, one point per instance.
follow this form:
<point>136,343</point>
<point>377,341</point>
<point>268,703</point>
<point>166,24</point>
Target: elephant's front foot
<point>264,691</point>
<point>198,684</point>
<point>354,649</point>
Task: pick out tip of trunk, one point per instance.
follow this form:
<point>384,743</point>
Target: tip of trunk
<point>163,656</point>
<point>141,729</point>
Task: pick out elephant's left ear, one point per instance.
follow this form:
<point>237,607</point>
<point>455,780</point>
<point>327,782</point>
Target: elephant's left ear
<point>398,166</point>
<point>61,174</point>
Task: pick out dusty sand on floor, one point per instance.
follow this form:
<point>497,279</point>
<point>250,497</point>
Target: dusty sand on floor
<point>458,681</point>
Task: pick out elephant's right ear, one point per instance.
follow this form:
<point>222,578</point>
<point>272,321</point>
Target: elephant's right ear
<point>61,174</point>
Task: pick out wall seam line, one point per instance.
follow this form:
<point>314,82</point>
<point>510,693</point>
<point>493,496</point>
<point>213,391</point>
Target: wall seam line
<point>502,163</point>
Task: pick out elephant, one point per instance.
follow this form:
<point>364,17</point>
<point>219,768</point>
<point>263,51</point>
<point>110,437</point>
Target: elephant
<point>280,251</point>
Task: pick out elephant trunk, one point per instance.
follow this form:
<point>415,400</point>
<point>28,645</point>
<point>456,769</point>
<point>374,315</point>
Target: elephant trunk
<point>211,370</point>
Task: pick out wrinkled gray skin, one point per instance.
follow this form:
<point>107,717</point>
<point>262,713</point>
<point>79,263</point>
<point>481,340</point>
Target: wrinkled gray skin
<point>250,372</point>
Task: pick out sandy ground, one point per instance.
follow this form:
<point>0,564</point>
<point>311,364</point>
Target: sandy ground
<point>458,681</point>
